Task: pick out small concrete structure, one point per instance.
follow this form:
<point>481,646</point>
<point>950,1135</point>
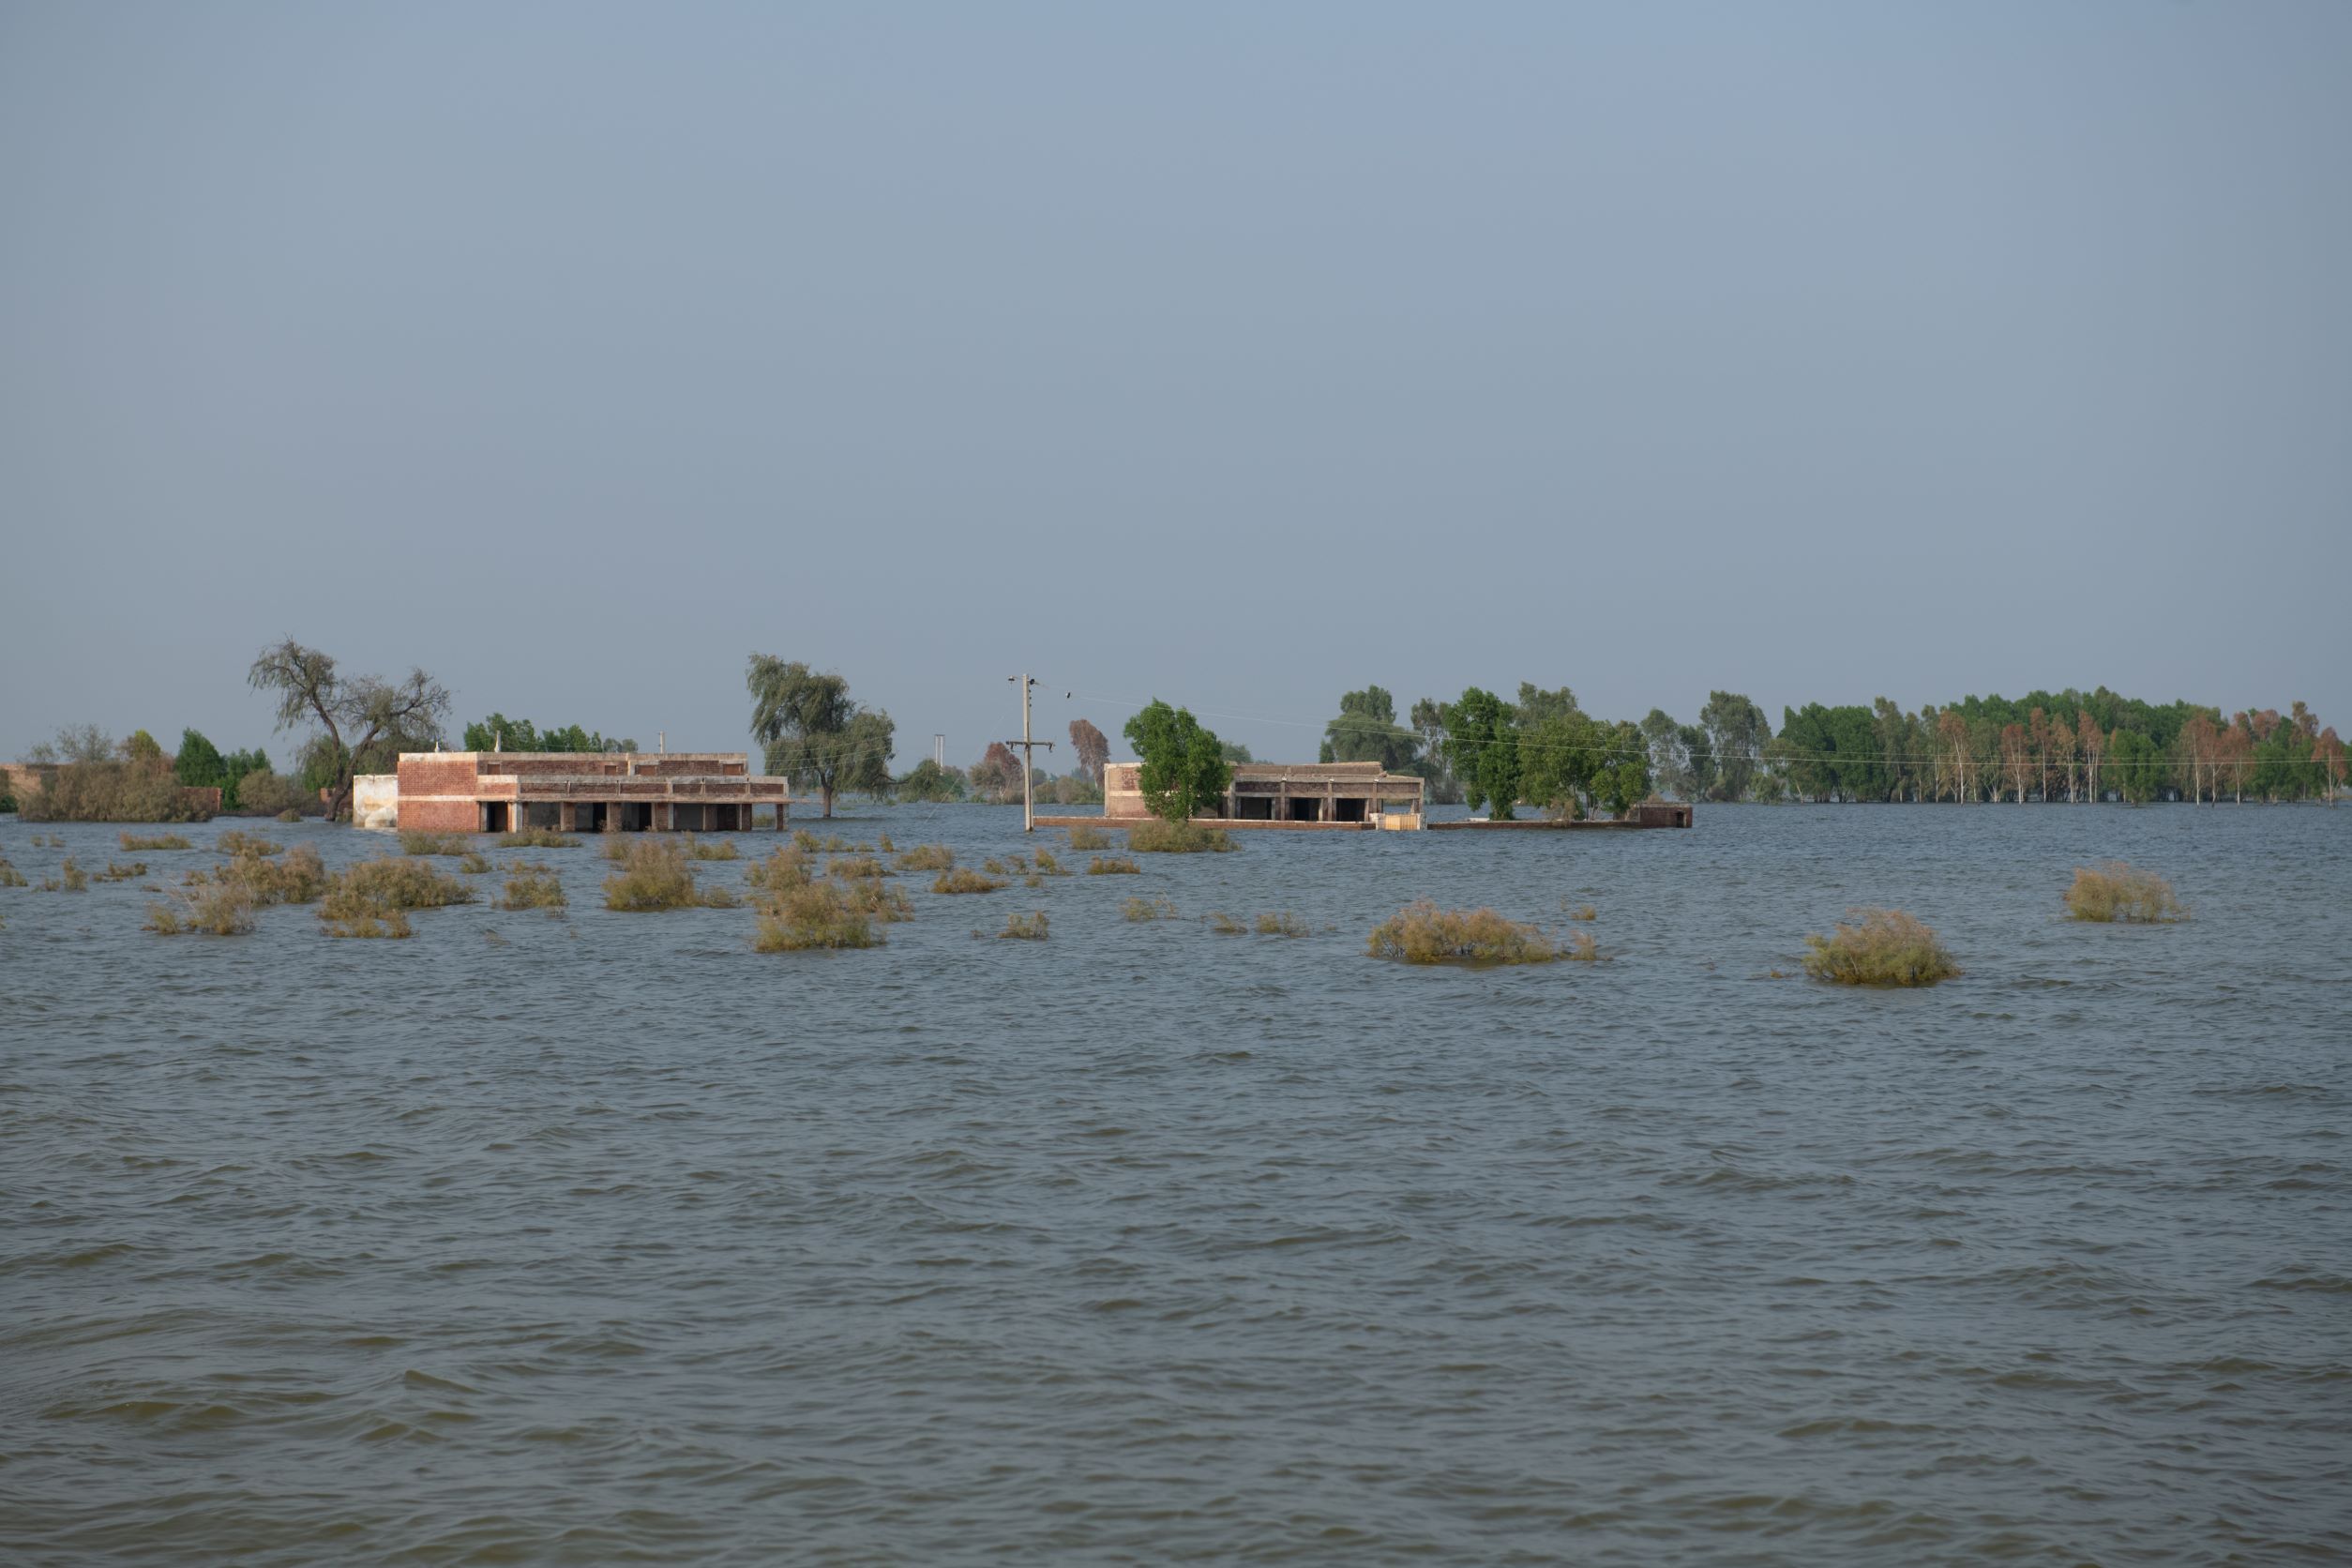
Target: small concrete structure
<point>610,792</point>
<point>375,801</point>
<point>1355,795</point>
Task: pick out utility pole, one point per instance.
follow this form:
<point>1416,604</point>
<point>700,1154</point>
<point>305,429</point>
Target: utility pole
<point>1029,804</point>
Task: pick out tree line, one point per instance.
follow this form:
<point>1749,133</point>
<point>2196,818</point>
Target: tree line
<point>1542,750</point>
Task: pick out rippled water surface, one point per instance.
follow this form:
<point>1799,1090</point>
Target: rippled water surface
<point>604,1238</point>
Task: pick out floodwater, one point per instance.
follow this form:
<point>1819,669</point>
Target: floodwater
<point>604,1238</point>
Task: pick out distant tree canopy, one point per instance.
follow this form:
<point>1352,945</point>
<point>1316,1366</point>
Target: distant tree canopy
<point>929,781</point>
<point>1481,750</point>
<point>812,730</point>
<point>500,733</point>
<point>98,781</point>
<point>352,716</point>
<point>1092,746</point>
<point>201,764</point>
<point>997,775</point>
<point>1367,731</point>
<point>1184,767</point>
<point>1233,751</point>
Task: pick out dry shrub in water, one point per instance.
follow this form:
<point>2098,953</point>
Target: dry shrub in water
<point>1153,836</point>
<point>529,889</point>
<point>374,890</point>
<point>76,878</point>
<point>238,842</point>
<point>817,915</point>
<point>885,845</point>
<point>1084,838</point>
<point>536,838</point>
<point>1421,933</point>
<point>848,865</point>
<point>1047,866</point>
<point>1025,927</point>
<point>474,863</point>
<point>225,910</point>
<point>1582,912</point>
<point>1582,948</point>
<point>993,866</point>
<point>1283,925</point>
<point>9,875</point>
<point>116,871</point>
<point>720,849</point>
<point>290,815</point>
<point>1880,947</point>
<point>928,857</point>
<point>156,841</point>
<point>1225,925</point>
<point>390,923</point>
<point>654,875</point>
<point>436,843</point>
<point>782,871</point>
<point>1111,865</point>
<point>963,879</point>
<point>1149,909</point>
<point>298,878</point>
<point>868,897</point>
<point>2118,892</point>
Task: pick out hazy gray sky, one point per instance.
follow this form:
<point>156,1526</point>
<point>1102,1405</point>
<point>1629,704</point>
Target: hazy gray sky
<point>1236,353</point>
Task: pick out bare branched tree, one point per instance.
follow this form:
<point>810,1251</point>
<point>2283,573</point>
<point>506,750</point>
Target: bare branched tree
<point>353,712</point>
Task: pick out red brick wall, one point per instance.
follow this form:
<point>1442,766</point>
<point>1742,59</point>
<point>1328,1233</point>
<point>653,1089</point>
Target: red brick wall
<point>432,774</point>
<point>437,816</point>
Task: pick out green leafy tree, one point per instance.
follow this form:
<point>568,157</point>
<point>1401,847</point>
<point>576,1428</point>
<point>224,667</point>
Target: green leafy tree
<point>1535,704</point>
<point>2135,761</point>
<point>1184,765</point>
<point>1233,751</point>
<point>1736,733</point>
<point>352,714</point>
<point>1569,763</point>
<point>929,781</point>
<point>812,729</point>
<point>1482,749</point>
<point>199,763</point>
<point>1367,731</point>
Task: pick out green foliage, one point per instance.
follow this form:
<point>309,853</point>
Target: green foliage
<point>1157,837</point>
<point>1481,750</point>
<point>1111,865</point>
<point>1183,769</point>
<point>110,791</point>
<point>1233,751</point>
<point>299,878</point>
<point>782,871</point>
<point>497,732</point>
<point>2133,760</point>
<point>533,890</point>
<point>1880,947</point>
<point>1569,763</point>
<point>963,878</point>
<point>2119,891</point>
<point>1421,933</point>
<point>199,762</point>
<point>1367,731</point>
<point>361,722</point>
<point>929,781</point>
<point>926,857</point>
<point>857,866</point>
<point>713,849</point>
<point>1085,837</point>
<point>811,728</point>
<point>655,874</point>
<point>476,864</point>
<point>264,794</point>
<point>220,910</point>
<point>813,916</point>
<point>391,882</point>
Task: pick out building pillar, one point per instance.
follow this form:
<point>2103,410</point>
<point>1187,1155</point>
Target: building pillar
<point>566,817</point>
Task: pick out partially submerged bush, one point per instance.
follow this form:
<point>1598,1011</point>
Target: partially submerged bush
<point>963,879</point>
<point>1421,933</point>
<point>536,838</point>
<point>808,843</point>
<point>1582,912</point>
<point>1025,927</point>
<point>224,910</point>
<point>1283,925</point>
<point>2118,892</point>
<point>1582,948</point>
<point>1154,835</point>
<point>1085,837</point>
<point>926,857</point>
<point>1149,909</point>
<point>816,914</point>
<point>237,841</point>
<point>390,923</point>
<point>117,871</point>
<point>655,875</point>
<point>75,880</point>
<point>1880,947</point>
<point>298,878</point>
<point>1047,866</point>
<point>848,865</point>
<point>153,842</point>
<point>885,845</point>
<point>782,871</point>
<point>868,897</point>
<point>716,849</point>
<point>413,842</point>
<point>1111,865</point>
<point>9,875</point>
<point>1225,925</point>
<point>290,815</point>
<point>528,889</point>
<point>476,864</point>
<point>374,893</point>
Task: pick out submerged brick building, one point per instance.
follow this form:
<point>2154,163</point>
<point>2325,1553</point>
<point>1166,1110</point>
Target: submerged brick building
<point>623,791</point>
<point>1324,794</point>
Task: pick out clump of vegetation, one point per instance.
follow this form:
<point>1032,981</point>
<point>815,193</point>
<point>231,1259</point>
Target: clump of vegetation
<point>2118,892</point>
<point>1149,909</point>
<point>290,815</point>
<point>116,871</point>
<point>413,842</point>
<point>885,845</point>
<point>868,895</point>
<point>1085,837</point>
<point>9,875</point>
<point>1111,865</point>
<point>655,875</point>
<point>857,866</point>
<point>1225,925</point>
<point>718,849</point>
<point>782,871</point>
<point>75,880</point>
<point>1025,927</point>
<point>1050,866</point>
<point>298,878</point>
<point>963,879</point>
<point>474,863</point>
<point>1582,948</point>
<point>153,842</point>
<point>993,866</point>
<point>616,846</point>
<point>813,916</point>
<point>1582,912</point>
<point>372,899</point>
<point>1154,835</point>
<point>1421,933</point>
<point>236,841</point>
<point>1283,925</point>
<point>532,889</point>
<point>808,843</point>
<point>536,838</point>
<point>222,911</point>
<point>928,857</point>
<point>1880,947</point>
